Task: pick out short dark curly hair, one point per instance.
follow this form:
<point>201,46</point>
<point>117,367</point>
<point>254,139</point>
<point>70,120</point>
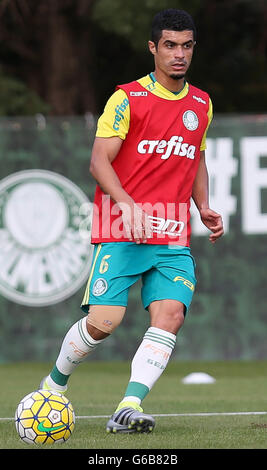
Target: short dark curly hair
<point>172,20</point>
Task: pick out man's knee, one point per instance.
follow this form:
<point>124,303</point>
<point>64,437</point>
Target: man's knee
<point>167,314</point>
<point>105,317</point>
<point>173,317</point>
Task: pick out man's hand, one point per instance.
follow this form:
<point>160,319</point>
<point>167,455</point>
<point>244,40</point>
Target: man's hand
<point>136,223</point>
<point>213,222</point>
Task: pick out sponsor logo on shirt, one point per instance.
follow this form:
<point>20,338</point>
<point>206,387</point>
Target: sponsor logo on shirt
<point>174,146</point>
<point>138,93</point>
<point>200,100</point>
<point>119,113</point>
<point>170,227</point>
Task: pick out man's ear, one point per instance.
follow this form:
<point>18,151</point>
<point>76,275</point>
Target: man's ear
<point>152,47</point>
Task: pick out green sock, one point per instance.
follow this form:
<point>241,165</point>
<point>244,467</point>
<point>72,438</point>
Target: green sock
<point>58,377</point>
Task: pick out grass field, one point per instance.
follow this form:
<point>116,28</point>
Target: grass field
<point>96,388</point>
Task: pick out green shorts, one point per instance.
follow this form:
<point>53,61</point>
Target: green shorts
<point>167,272</point>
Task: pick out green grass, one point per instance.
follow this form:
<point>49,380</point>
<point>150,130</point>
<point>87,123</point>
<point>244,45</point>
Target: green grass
<point>96,387</point>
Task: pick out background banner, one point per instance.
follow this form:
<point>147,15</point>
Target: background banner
<point>45,251</point>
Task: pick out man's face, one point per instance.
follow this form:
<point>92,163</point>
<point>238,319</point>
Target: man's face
<point>174,52</point>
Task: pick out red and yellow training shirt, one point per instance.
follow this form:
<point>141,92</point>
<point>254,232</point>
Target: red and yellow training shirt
<point>163,136</point>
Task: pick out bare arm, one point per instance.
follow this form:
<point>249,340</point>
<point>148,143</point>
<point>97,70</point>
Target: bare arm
<point>200,194</point>
<point>103,153</point>
<point>136,223</point>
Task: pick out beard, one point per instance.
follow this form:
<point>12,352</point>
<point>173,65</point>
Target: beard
<point>176,76</point>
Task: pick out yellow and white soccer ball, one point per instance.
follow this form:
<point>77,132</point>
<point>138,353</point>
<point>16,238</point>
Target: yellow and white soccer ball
<point>44,417</point>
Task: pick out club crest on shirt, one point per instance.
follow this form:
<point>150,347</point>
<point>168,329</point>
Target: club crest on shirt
<point>190,120</point>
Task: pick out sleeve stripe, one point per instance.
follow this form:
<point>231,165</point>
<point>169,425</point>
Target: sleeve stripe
<point>210,116</point>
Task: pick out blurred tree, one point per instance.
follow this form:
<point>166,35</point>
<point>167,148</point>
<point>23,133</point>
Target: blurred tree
<point>48,45</point>
<point>73,52</point>
<point>17,99</point>
<point>231,58</point>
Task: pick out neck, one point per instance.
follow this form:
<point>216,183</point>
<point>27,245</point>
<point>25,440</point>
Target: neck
<point>172,84</point>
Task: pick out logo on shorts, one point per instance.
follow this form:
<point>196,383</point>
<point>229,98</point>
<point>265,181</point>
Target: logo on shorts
<point>100,287</point>
<point>43,258</point>
<point>186,282</point>
<point>190,120</point>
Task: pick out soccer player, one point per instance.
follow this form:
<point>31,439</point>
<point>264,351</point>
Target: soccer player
<point>148,160</point>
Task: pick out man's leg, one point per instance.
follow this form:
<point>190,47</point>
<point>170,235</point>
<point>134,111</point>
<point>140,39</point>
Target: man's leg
<point>81,339</point>
<point>150,360</point>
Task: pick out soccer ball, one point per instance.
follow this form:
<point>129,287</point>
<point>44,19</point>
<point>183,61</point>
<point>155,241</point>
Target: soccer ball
<point>44,417</point>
